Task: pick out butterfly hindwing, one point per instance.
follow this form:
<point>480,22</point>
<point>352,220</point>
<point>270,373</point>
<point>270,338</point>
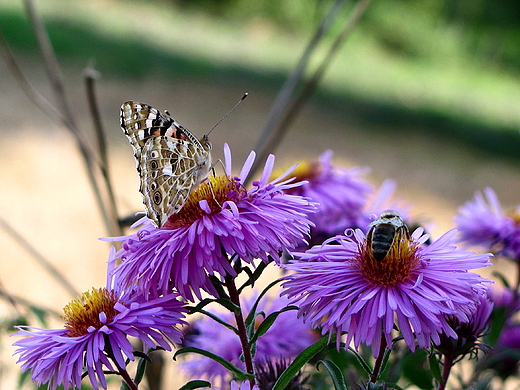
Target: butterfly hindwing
<point>170,160</point>
<point>168,174</point>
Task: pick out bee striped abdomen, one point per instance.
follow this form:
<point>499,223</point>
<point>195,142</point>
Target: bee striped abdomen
<point>382,238</point>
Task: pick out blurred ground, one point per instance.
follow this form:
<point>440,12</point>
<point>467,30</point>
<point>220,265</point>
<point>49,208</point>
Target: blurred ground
<point>45,195</point>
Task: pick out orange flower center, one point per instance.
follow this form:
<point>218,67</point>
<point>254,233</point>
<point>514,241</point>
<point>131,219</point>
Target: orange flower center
<point>216,191</point>
<point>397,266</point>
<point>83,312</point>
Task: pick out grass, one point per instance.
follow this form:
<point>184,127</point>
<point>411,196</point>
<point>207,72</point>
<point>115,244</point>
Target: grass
<point>398,68</point>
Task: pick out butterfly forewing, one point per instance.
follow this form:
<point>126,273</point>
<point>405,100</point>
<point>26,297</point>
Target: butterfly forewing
<point>170,160</point>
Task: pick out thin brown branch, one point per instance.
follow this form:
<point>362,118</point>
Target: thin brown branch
<point>50,61</point>
<point>293,107</point>
<point>90,83</point>
<point>16,301</point>
<point>26,86</point>
<point>287,91</point>
<point>40,259</point>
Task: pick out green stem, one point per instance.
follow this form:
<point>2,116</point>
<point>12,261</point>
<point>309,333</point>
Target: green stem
<point>446,368</point>
<point>241,326</point>
<point>379,361</point>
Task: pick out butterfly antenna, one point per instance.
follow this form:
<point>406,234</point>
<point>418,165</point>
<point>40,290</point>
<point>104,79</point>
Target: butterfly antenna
<point>230,111</point>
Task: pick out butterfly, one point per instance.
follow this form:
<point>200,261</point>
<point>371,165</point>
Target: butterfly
<point>171,161</point>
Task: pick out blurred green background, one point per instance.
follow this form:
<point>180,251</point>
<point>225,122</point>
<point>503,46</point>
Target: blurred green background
<point>450,65</point>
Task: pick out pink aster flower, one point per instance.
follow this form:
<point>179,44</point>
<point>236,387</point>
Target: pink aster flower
<point>343,288</point>
<point>482,222</point>
<point>286,338</point>
<point>221,221</point>
<point>95,336</point>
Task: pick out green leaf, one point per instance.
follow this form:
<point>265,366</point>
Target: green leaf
<point>124,386</point>
<point>497,320</point>
<point>361,361</point>
<point>266,324</point>
<point>252,314</point>
<point>219,320</point>
<point>254,277</point>
<point>195,385</point>
<point>307,354</point>
<point>217,284</point>
<point>141,368</point>
<point>386,357</point>
<point>241,375</point>
<point>335,373</point>
<point>502,278</point>
<point>435,367</point>
<point>416,370</point>
<point>222,301</point>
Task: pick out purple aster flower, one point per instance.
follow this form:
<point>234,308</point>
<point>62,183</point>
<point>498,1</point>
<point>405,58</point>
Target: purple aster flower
<point>482,222</point>
<point>382,200</point>
<point>286,338</point>
<point>342,287</point>
<point>245,385</point>
<point>221,221</point>
<point>467,332</point>
<point>504,356</point>
<point>341,194</point>
<point>94,337</point>
<point>505,300</point>
<point>268,372</point>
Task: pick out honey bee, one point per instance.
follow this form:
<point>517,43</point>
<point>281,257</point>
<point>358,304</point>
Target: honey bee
<point>384,232</point>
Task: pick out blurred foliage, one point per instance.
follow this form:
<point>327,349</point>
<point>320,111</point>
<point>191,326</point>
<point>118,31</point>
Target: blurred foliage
<point>489,30</point>
<point>429,66</point>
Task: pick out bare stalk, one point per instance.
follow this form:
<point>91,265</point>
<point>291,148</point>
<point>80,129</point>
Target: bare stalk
<point>287,90</point>
<point>55,76</point>
<point>290,109</point>
<point>90,83</point>
<point>40,259</point>
<point>242,332</point>
<point>16,301</point>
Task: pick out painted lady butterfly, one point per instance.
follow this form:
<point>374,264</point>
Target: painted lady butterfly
<point>171,161</point>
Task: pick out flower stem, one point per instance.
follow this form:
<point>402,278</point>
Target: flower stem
<point>446,368</point>
<point>241,326</point>
<point>379,361</point>
<point>126,377</point>
<point>122,371</point>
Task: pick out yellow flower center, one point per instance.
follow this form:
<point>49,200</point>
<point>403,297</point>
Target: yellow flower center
<point>515,215</point>
<point>216,191</point>
<point>397,266</point>
<point>306,170</point>
<point>83,312</point>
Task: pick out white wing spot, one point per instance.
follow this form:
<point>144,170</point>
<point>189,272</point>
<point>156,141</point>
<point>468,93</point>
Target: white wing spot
<point>167,170</point>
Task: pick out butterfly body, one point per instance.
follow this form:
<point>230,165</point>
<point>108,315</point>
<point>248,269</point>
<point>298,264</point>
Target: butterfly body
<point>170,160</point>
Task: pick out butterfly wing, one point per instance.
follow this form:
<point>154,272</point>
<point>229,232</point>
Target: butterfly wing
<point>170,160</point>
<point>168,174</point>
